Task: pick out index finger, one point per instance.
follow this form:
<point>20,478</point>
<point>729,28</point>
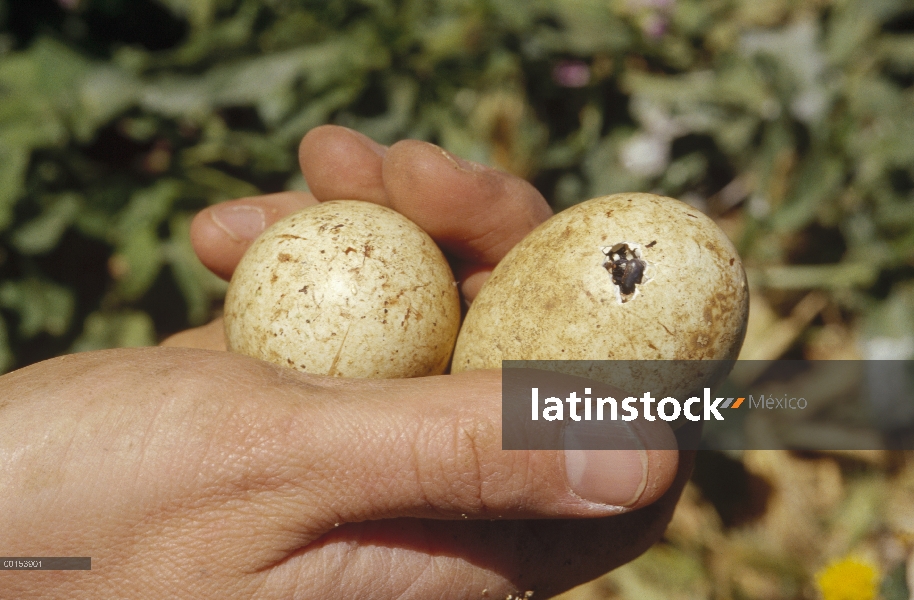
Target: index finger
<point>475,213</point>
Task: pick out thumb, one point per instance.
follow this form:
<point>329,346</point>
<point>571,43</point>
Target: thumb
<point>431,448</point>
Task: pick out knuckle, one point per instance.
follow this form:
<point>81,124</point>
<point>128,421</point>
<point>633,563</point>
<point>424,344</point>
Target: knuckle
<point>477,477</point>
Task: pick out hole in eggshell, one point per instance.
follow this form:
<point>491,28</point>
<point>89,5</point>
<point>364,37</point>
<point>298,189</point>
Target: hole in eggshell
<point>626,269</point>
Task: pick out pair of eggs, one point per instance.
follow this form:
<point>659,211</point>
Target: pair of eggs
<point>353,289</point>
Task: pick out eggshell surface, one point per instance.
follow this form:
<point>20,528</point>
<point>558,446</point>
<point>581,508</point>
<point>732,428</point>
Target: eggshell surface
<point>681,295</point>
<point>345,288</point>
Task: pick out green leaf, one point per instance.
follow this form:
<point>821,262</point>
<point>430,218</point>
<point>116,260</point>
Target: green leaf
<point>219,185</point>
<point>605,171</point>
<point>207,42</point>
<point>797,52</point>
<point>818,181</point>
<point>42,305</point>
<point>897,50</point>
<point>103,93</point>
<point>13,163</point>
<point>29,122</point>
<point>48,69</point>
<point>849,31</point>
<point>136,263</point>
<point>401,96</point>
<point>660,570</point>
<point>177,96</point>
<point>589,26</point>
<point>685,89</point>
<point>115,329</point>
<point>568,152</point>
<point>247,82</point>
<point>148,207</point>
<point>59,70</point>
<point>895,584</point>
<point>810,277</point>
<point>42,234</point>
<point>684,171</point>
<point>314,113</point>
<point>893,318</point>
<point>449,36</point>
<point>263,79</point>
<point>198,12</point>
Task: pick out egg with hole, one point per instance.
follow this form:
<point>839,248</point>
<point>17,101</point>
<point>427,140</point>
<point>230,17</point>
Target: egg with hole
<point>627,277</point>
<point>345,288</point>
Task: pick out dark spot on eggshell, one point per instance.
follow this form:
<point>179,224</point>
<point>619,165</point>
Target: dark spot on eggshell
<point>548,301</point>
<point>625,268</point>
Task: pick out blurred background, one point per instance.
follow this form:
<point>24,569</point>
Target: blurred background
<point>790,122</point>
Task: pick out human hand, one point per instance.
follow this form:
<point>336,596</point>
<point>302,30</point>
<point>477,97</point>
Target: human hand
<point>476,214</point>
<point>186,472</point>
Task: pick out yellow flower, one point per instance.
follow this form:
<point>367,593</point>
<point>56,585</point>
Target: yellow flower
<point>848,579</point>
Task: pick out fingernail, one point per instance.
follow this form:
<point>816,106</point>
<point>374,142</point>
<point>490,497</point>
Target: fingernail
<point>463,165</point>
<point>369,143</point>
<point>613,477</point>
<point>240,222</point>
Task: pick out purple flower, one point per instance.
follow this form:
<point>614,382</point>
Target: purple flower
<point>571,73</point>
<point>655,26</point>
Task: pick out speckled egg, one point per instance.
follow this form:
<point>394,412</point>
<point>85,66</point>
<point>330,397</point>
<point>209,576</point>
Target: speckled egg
<point>345,288</point>
<point>627,277</point>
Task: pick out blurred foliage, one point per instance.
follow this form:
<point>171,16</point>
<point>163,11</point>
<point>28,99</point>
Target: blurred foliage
<point>821,527</point>
<point>791,122</point>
